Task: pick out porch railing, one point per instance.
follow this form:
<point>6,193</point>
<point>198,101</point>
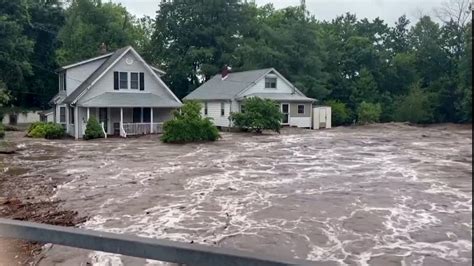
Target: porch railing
<point>134,129</point>
<point>161,250</point>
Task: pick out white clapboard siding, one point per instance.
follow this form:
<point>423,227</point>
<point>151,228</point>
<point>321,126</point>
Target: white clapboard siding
<point>214,112</point>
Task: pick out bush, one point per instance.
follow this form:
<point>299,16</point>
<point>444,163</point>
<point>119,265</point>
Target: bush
<point>369,113</point>
<point>260,114</point>
<point>93,129</point>
<point>2,131</point>
<point>189,126</point>
<point>46,130</point>
<point>416,107</point>
<point>340,113</point>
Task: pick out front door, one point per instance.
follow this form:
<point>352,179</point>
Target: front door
<point>103,115</point>
<point>285,109</point>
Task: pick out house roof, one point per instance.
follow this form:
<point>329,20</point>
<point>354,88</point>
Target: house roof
<point>291,97</point>
<point>126,99</point>
<point>88,82</point>
<point>228,88</point>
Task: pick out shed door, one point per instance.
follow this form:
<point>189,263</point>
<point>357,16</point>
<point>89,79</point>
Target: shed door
<point>322,115</point>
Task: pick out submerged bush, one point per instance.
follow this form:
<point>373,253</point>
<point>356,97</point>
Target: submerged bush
<point>46,130</point>
<point>368,113</point>
<point>340,113</point>
<point>93,129</point>
<point>260,114</point>
<point>189,126</point>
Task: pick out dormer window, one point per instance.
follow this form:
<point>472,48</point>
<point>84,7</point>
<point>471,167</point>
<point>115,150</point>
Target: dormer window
<point>270,83</point>
<point>134,81</point>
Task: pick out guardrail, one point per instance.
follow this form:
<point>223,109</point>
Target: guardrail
<point>161,250</point>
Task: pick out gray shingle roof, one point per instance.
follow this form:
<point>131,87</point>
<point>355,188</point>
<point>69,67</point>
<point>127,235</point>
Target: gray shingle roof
<point>84,85</point>
<point>227,89</point>
<point>280,97</point>
<point>124,99</point>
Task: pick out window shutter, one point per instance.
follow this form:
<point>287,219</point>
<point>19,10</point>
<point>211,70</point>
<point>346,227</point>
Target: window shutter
<point>142,81</point>
<point>116,81</point>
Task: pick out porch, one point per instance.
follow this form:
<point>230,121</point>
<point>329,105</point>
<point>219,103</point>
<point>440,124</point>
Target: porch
<point>120,121</point>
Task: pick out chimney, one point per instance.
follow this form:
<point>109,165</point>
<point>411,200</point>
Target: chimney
<point>225,72</point>
<point>103,49</point>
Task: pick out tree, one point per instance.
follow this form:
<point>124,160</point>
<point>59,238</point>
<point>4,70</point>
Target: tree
<point>93,129</point>
<point>340,112</point>
<point>15,47</point>
<point>258,115</point>
<point>89,23</point>
<point>195,40</point>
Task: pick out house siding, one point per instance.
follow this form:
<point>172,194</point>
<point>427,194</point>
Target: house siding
<point>106,83</point>
<point>76,75</point>
<point>294,109</point>
<point>214,112</point>
<point>259,87</point>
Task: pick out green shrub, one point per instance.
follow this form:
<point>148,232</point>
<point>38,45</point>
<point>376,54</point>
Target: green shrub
<point>54,131</point>
<point>2,131</point>
<point>340,113</point>
<point>46,130</point>
<point>93,129</point>
<point>369,113</point>
<point>416,107</point>
<point>260,114</point>
<point>189,126</point>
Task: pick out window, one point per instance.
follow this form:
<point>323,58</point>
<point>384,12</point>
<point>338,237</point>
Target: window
<point>137,115</point>
<point>146,115</point>
<point>301,108</point>
<point>134,81</point>
<point>62,115</point>
<point>123,80</point>
<point>270,83</point>
<point>205,108</point>
<point>71,115</point>
<point>222,109</point>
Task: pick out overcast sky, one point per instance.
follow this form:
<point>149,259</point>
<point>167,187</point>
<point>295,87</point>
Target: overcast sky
<point>388,10</point>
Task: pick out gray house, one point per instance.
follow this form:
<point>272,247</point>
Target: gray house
<point>224,94</point>
<point>120,89</point>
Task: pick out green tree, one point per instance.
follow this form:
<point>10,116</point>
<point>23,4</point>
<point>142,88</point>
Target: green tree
<point>195,40</point>
<point>89,23</point>
<point>15,47</point>
<point>93,129</point>
<point>260,114</point>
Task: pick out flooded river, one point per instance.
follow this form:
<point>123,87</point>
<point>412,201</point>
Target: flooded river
<point>380,195</point>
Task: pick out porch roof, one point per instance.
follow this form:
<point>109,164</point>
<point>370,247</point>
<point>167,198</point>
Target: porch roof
<point>118,99</point>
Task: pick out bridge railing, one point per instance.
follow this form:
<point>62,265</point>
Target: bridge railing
<point>134,246</point>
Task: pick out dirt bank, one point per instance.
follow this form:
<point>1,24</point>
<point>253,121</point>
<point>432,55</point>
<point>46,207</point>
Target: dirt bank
<point>27,198</point>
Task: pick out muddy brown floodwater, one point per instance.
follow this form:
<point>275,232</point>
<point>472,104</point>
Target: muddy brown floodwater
<point>382,195</point>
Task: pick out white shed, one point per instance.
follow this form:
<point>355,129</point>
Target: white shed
<point>322,117</point>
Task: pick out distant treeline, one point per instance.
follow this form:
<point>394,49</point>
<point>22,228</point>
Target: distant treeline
<point>417,71</point>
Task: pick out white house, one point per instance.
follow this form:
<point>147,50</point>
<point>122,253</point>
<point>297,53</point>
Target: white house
<point>224,94</point>
<point>120,89</point>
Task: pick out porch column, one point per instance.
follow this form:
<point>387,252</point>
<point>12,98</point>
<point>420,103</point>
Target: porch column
<point>151,120</point>
<point>76,122</point>
<point>121,120</point>
<point>67,119</point>
<point>88,113</point>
